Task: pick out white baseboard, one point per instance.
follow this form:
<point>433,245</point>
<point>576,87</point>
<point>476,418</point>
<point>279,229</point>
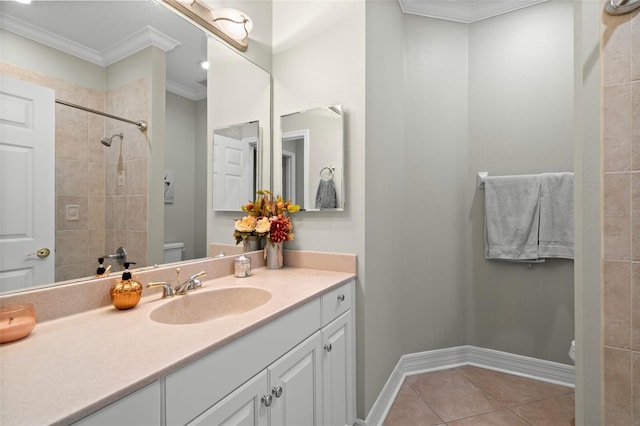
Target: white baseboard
<point>442,359</point>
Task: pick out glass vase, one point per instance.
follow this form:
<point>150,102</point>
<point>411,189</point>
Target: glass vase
<point>273,255</point>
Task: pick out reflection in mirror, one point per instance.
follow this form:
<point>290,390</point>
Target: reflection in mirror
<point>313,158</point>
<point>70,47</point>
<point>235,158</point>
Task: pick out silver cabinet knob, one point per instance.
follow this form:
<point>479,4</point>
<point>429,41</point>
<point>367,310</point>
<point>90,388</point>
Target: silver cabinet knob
<point>277,391</point>
<point>341,297</point>
<point>328,347</point>
<point>267,400</point>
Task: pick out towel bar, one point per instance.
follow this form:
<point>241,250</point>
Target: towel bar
<point>480,179</point>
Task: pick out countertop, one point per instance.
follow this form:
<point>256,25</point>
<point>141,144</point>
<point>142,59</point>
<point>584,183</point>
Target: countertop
<point>70,367</point>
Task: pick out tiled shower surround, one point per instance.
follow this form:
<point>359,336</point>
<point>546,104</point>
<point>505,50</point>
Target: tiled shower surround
<point>110,215</point>
<point>620,46</point>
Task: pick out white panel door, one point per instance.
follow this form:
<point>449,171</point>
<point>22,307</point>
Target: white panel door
<point>295,381</point>
<point>243,407</point>
<point>27,184</point>
<point>231,173</point>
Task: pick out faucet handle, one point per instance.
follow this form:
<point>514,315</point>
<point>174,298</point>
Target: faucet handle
<point>167,290</point>
<point>199,274</point>
<point>196,283</point>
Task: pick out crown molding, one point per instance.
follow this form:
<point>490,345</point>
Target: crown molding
<point>147,36</point>
<point>50,39</point>
<point>185,92</point>
<point>465,12</point>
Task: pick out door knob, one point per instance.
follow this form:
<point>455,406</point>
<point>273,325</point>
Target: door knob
<point>41,253</point>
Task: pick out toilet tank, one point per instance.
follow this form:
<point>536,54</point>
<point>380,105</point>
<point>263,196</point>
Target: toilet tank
<point>173,252</point>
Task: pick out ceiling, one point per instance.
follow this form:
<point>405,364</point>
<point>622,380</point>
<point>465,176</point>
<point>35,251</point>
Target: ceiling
<point>465,11</point>
<point>104,32</point>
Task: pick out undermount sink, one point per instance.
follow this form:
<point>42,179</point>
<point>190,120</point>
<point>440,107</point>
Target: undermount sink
<point>201,306</point>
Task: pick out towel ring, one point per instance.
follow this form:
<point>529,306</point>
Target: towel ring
<point>326,173</point>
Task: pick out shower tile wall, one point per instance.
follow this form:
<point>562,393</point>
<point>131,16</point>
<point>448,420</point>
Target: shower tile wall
<point>86,178</point>
<point>620,44</point>
<point>126,173</point>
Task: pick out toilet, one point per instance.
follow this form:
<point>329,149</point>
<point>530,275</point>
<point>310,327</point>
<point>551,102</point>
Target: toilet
<point>572,351</point>
<point>173,252</point>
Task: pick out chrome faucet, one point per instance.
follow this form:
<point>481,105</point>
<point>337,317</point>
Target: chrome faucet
<point>167,290</point>
<point>193,283</point>
<point>120,255</point>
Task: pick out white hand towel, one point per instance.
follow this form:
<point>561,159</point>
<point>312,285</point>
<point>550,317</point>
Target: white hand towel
<point>512,217</point>
<point>556,215</point>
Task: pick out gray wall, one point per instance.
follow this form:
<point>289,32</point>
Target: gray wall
<point>437,113</point>
<point>379,328</point>
<point>180,157</point>
<point>520,121</point>
<point>200,202</point>
<point>186,155</point>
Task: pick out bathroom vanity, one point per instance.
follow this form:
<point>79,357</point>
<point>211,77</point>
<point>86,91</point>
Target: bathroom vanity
<point>290,360</point>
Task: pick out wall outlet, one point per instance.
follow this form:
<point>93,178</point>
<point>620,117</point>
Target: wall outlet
<point>73,212</point>
<point>121,178</point>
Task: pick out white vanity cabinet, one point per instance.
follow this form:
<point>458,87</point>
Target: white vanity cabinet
<point>288,392</point>
<point>297,369</point>
<point>311,384</point>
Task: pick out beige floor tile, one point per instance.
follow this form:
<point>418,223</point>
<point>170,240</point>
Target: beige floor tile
<point>497,418</point>
<point>452,396</point>
<point>549,412</point>
<point>409,409</point>
<point>512,390</point>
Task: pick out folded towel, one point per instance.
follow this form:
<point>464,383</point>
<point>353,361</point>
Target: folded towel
<point>512,217</point>
<point>556,215</point>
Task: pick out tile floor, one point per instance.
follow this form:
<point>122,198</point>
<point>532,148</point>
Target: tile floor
<point>475,396</point>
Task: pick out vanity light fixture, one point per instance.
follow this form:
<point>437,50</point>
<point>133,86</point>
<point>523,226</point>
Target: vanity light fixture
<point>231,25</point>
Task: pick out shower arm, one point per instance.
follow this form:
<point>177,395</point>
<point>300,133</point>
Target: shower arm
<point>142,125</point>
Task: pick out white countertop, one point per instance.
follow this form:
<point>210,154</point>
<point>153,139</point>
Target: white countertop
<point>70,367</point>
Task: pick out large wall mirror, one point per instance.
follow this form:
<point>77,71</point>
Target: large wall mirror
<point>236,154</point>
<point>137,60</point>
<point>313,158</point>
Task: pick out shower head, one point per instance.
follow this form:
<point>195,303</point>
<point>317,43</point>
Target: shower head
<point>107,141</point>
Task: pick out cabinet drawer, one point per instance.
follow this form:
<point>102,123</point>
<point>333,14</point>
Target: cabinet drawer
<point>336,302</point>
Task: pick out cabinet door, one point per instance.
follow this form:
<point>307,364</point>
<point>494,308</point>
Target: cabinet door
<point>295,382</point>
<point>243,407</point>
<point>337,368</point>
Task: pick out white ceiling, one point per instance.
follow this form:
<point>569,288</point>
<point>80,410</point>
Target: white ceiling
<point>103,32</point>
<point>465,11</point>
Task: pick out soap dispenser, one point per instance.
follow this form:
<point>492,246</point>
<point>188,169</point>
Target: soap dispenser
<point>125,293</point>
<point>102,271</point>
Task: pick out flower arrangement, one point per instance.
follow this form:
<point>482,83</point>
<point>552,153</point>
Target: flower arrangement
<point>267,216</point>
